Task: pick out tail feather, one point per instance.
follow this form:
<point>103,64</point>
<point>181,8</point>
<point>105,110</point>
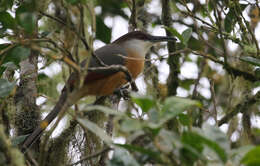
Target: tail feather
<point>35,135</point>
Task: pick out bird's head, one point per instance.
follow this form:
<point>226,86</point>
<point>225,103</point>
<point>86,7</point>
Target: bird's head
<point>140,41</point>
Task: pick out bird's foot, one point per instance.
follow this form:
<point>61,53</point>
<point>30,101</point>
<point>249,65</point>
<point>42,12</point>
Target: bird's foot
<point>123,92</point>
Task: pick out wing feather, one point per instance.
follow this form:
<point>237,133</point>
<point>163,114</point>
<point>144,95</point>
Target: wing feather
<point>109,56</point>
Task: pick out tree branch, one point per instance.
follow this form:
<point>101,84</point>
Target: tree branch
<point>70,27</point>
<point>240,108</point>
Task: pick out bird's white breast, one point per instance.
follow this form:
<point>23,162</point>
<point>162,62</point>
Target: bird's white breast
<point>138,46</point>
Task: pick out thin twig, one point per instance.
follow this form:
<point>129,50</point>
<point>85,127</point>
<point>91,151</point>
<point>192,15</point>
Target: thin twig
<point>218,22</point>
<point>4,51</point>
<point>242,107</point>
<point>215,113</point>
<point>246,122</point>
<point>230,69</point>
<point>82,21</point>
<point>195,92</point>
<point>249,29</point>
<point>70,27</point>
<point>31,159</point>
<point>132,20</point>
<point>66,58</point>
<point>197,18</point>
<point>91,156</point>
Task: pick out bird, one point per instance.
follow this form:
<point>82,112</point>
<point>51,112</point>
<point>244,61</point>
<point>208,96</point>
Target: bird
<point>128,50</point>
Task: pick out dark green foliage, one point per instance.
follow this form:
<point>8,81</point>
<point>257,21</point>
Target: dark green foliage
<point>26,18</point>
<point>251,60</point>
<point>13,57</point>
<point>252,157</point>
<point>103,32</point>
<point>7,20</point>
<point>5,87</point>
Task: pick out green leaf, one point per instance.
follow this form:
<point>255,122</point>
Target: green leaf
<point>252,157</point>
<point>26,6</point>
<point>42,76</point>
<point>238,153</point>
<point>186,35</point>
<point>10,65</point>
<point>7,20</point>
<point>211,5</point>
<point>195,44</point>
<point>186,84</point>
<point>27,21</point>
<point>185,119</point>
<point>193,140</point>
<point>94,128</point>
<point>164,141</point>
<point>174,7</point>
<point>6,4</point>
<point>148,152</point>
<point>204,11</point>
<point>26,16</point>
<point>197,141</point>
<point>179,104</point>
<point>129,125</point>
<point>103,32</point>
<point>174,106</point>
<point>175,33</point>
<point>215,134</point>
<point>249,49</point>
<point>229,20</point>
<point>121,157</point>
<point>243,6</point>
<point>188,155</point>
<point>146,103</point>
<point>112,7</point>
<point>153,115</point>
<point>250,60</point>
<point>6,87</point>
<point>17,54</point>
<point>17,140</point>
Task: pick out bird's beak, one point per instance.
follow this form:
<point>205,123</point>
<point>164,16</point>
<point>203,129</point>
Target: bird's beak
<point>162,38</point>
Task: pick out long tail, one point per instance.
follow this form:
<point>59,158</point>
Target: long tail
<point>35,135</point>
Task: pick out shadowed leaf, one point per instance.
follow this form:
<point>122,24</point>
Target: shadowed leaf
<point>252,157</point>
<point>146,103</point>
<point>103,32</point>
<point>121,157</point>
<point>7,20</point>
<point>5,87</point>
<point>18,140</point>
<point>175,33</point>
<point>250,60</point>
<point>186,35</point>
<point>94,128</point>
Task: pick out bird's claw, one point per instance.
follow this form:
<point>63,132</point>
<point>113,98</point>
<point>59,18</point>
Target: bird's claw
<point>123,92</point>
